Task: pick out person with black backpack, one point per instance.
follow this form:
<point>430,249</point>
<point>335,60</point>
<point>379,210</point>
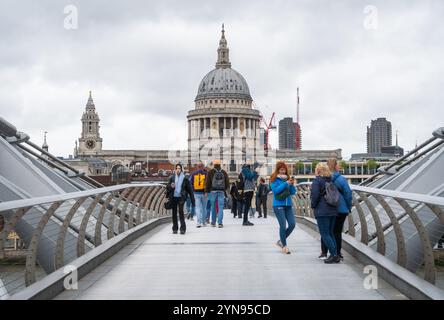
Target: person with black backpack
<point>247,178</point>
<point>239,195</point>
<point>344,207</point>
<point>216,187</point>
<point>262,194</point>
<point>324,202</point>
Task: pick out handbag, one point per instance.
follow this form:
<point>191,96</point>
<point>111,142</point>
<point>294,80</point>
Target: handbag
<point>168,205</point>
<point>283,194</point>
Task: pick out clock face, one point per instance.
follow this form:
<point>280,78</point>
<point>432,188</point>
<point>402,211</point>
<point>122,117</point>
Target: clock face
<point>90,144</point>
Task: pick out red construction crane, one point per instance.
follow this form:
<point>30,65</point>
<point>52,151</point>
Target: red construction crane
<point>268,127</point>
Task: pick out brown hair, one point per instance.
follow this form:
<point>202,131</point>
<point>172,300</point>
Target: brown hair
<point>332,163</point>
<point>279,165</point>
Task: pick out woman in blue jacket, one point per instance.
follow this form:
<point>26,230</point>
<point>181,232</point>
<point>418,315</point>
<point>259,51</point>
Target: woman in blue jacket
<point>344,208</point>
<point>283,188</point>
<point>325,213</point>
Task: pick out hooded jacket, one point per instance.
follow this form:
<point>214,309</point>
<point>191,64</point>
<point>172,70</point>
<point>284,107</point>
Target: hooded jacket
<point>249,178</point>
<point>318,203</point>
<point>345,193</point>
<point>278,186</point>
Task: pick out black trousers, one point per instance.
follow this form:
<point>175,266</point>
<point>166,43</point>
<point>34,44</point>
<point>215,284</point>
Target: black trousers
<point>240,203</point>
<point>233,206</point>
<point>247,203</point>
<point>337,233</point>
<point>178,206</point>
<point>262,202</point>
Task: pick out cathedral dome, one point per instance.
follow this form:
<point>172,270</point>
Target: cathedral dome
<point>223,83</point>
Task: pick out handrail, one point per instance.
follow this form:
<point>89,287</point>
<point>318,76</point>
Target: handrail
<point>59,228</point>
<point>22,203</point>
<point>439,201</point>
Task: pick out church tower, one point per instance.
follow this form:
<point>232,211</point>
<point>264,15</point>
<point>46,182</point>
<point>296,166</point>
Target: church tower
<point>90,142</point>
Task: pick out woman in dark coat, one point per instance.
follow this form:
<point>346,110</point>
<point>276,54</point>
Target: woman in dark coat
<point>325,213</point>
<point>177,189</point>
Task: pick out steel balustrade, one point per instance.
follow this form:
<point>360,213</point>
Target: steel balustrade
<point>88,213</point>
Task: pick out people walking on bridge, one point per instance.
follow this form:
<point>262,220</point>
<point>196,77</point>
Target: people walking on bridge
<point>247,178</point>
<point>233,195</point>
<point>325,211</point>
<point>178,188</point>
<point>283,188</point>
<point>190,209</point>
<point>253,205</point>
<point>344,207</point>
<point>240,198</point>
<point>216,186</point>
<point>262,195</point>
<point>198,179</point>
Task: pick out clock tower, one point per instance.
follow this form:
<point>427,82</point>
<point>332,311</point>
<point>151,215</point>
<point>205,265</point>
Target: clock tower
<point>90,143</point>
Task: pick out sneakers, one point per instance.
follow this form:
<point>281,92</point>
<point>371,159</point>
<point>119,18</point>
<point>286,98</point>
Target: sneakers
<point>213,224</point>
<point>220,225</point>
<point>286,250</point>
<point>198,225</point>
<point>323,256</point>
<point>248,223</point>
<point>182,231</point>
<point>279,244</point>
<point>332,259</point>
<point>175,232</point>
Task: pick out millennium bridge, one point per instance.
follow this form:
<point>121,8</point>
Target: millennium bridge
<point>117,240</point>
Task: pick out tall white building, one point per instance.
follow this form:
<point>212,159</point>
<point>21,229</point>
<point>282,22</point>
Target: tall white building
<point>223,124</point>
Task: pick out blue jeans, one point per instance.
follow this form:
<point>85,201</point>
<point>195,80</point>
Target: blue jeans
<point>284,215</point>
<point>200,207</point>
<point>326,225</point>
<point>208,208</point>
<point>220,196</point>
<point>190,208</point>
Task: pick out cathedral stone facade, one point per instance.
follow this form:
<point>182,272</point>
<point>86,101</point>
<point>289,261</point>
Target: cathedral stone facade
<point>223,124</point>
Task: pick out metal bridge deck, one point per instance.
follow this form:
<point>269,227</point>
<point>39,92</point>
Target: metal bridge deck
<point>234,262</point>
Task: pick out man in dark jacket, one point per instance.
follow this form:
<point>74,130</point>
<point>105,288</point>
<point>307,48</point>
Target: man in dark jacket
<point>176,190</point>
<point>325,213</point>
<point>216,187</point>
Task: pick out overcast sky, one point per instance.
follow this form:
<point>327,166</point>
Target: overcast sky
<point>143,61</point>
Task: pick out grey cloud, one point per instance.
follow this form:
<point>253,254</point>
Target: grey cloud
<point>145,59</point>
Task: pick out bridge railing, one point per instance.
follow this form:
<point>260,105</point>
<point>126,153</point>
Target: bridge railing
<point>58,229</point>
<point>404,227</point>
